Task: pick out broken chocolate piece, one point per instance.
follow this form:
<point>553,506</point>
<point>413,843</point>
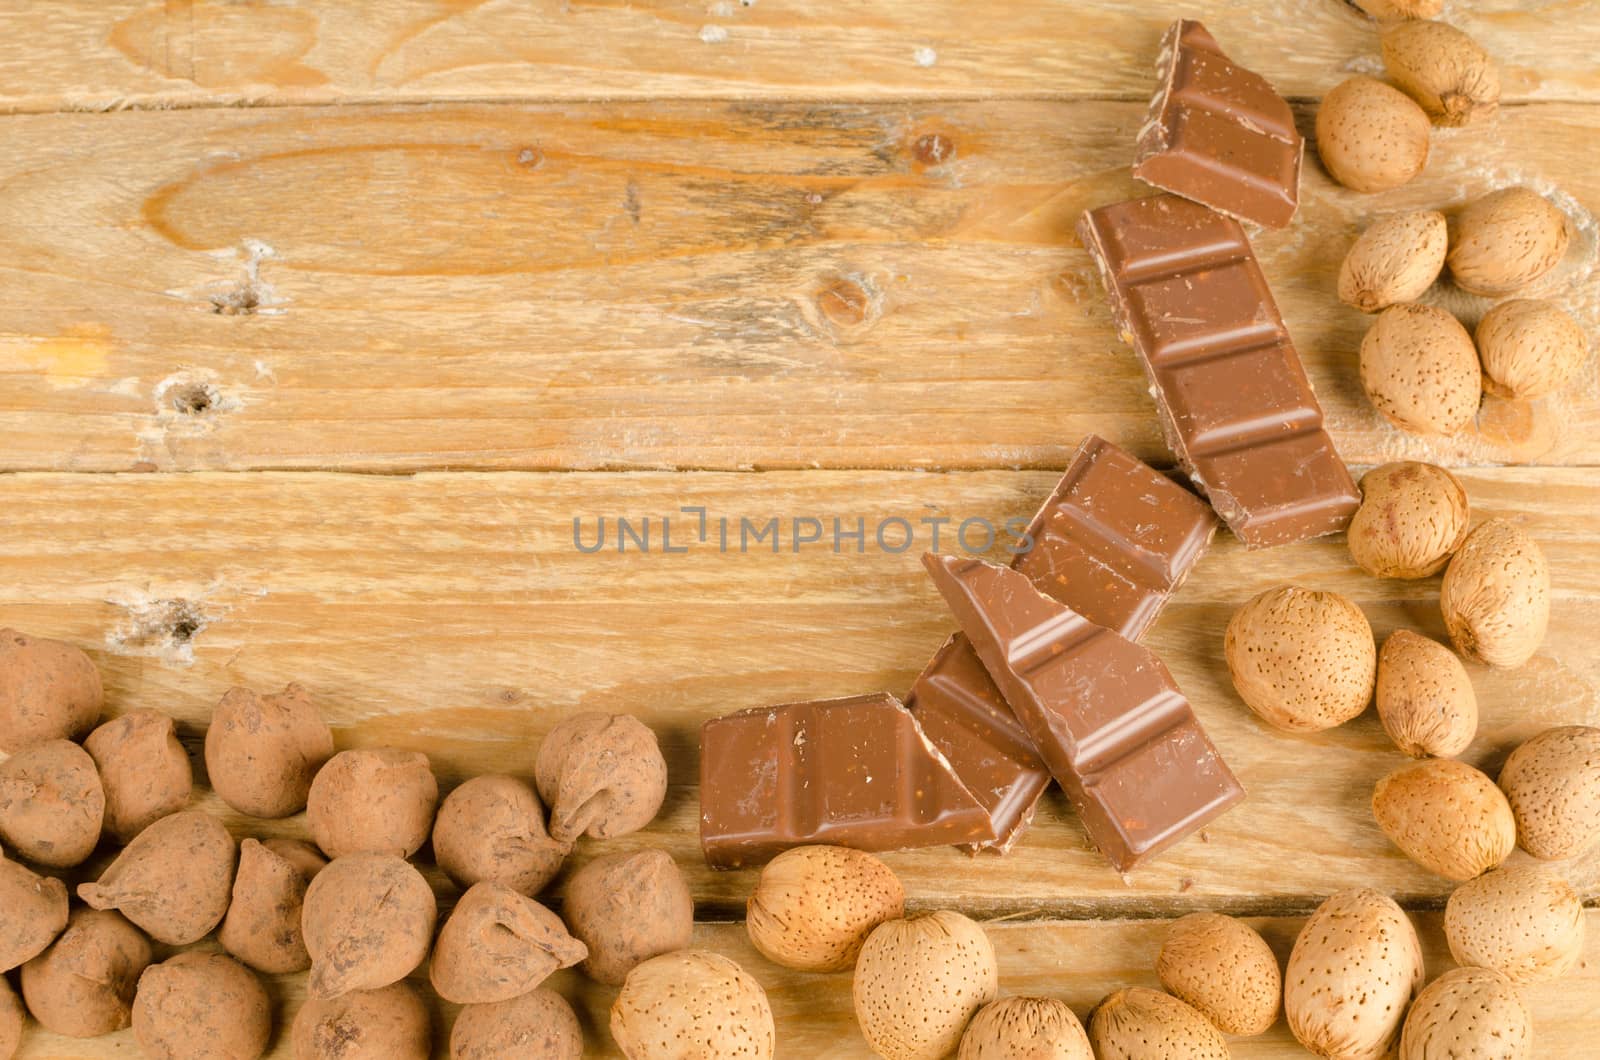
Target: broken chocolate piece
<point>854,772</point>
<point>1218,133</point>
<point>1104,713</point>
<point>1235,405</point>
<point>1113,541</point>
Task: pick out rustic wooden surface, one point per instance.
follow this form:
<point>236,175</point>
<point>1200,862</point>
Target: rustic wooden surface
<point>657,284</point>
<point>303,304</point>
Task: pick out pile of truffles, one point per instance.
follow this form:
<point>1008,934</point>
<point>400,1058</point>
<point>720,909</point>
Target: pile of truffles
<point>175,920</point>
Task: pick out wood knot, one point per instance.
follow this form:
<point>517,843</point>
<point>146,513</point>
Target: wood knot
<point>241,301</point>
<point>530,158</point>
<point>933,149</point>
<point>194,399</point>
<point>845,303</point>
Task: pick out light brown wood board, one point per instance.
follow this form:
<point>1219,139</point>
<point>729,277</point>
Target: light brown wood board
<point>107,54</point>
<point>488,238</point>
<point>452,613</point>
<point>660,284</point>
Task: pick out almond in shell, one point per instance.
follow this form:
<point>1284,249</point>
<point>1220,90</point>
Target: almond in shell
<point>1496,595</point>
<point>1524,921</point>
<point>1393,261</point>
<point>692,1005</point>
<point>1025,1028</point>
<point>919,981</point>
<point>1505,241</point>
<point>1354,969</point>
<point>1224,969</point>
<point>1446,816</point>
<point>1443,69</point>
<point>1420,369</point>
<point>1141,1024</point>
<point>1529,348</point>
<point>1371,137</point>
<point>1413,516</point>
<point>1301,659</point>
<point>814,906</point>
<point>1468,1014</point>
<point>1425,699</point>
<point>1553,784</point>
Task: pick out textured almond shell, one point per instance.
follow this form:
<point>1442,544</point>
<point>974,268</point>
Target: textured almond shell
<point>263,751</point>
<point>602,775</point>
<point>1524,921</point>
<point>1496,595</point>
<point>1141,1024</point>
<point>1505,241</point>
<point>1224,969</point>
<point>387,1024</point>
<point>492,829</point>
<point>143,768</point>
<point>379,801</point>
<point>33,911</point>
<point>83,985</point>
<point>692,1005</point>
<point>1553,784</point>
<point>918,982</point>
<point>1425,698</point>
<point>499,943</point>
<point>175,880</point>
<point>1394,260</point>
<point>1301,659</point>
<point>1355,967</point>
<point>814,906</point>
<point>1529,348</point>
<point>51,804</point>
<point>1420,369</point>
<point>368,922</point>
<point>1468,1014</point>
<point>1025,1028</point>
<point>1413,516</point>
<point>1443,69</point>
<point>628,908</point>
<point>1446,816</point>
<point>49,690</point>
<point>539,1025</point>
<point>1371,137</point>
<point>205,998</point>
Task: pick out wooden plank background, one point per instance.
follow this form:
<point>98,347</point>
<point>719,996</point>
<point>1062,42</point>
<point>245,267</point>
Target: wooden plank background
<point>321,323</point>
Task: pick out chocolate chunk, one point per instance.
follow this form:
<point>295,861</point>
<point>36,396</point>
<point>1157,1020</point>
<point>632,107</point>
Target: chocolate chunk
<point>854,772</point>
<point>1104,713</point>
<point>1218,133</point>
<point>1113,541</point>
<point>1235,404</point>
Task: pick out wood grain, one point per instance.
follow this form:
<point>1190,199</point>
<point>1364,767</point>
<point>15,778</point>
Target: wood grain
<point>677,285</point>
<point>1077,961</point>
<point>106,54</point>
<point>451,613</point>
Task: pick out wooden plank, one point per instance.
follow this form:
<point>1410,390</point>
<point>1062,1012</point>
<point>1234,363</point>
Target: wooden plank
<point>1077,961</point>
<point>652,285</point>
<point>451,613</point>
<point>88,54</point>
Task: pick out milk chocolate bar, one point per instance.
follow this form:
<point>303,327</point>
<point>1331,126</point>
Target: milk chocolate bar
<point>854,772</point>
<point>1218,133</point>
<point>1104,713</point>
<point>1113,541</point>
<point>1235,405</point>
